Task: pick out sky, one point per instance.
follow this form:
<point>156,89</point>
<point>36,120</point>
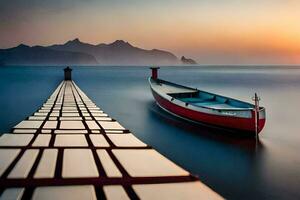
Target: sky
<point>210,31</point>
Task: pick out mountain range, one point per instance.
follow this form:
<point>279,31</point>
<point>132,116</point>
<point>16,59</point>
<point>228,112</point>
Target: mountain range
<point>75,52</point>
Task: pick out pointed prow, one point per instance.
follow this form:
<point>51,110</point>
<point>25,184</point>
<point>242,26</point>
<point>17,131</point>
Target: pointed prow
<point>154,72</point>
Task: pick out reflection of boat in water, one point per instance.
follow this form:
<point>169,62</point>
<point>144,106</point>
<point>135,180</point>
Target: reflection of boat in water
<point>204,107</point>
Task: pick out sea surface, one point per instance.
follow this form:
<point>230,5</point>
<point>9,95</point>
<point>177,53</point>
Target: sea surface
<point>237,168</point>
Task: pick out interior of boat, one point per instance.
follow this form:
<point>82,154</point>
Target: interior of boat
<point>205,99</point>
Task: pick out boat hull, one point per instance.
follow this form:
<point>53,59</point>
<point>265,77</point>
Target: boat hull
<point>241,124</point>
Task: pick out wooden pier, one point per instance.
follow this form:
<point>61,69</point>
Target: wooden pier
<point>71,149</point>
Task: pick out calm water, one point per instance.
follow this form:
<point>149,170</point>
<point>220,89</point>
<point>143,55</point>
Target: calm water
<point>236,168</point>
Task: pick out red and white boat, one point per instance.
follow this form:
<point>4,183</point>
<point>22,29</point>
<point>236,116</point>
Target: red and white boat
<point>208,108</point>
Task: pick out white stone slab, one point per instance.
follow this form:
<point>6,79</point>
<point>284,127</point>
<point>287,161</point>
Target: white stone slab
<point>69,108</point>
<point>85,114</point>
<point>40,118</point>
<point>103,118</point>
<point>69,104</point>
<point>115,192</point>
<point>99,114</point>
<point>6,157</point>
<point>111,131</point>
<point>92,106</point>
<point>55,111</point>
<point>170,191</point>
<point>70,131</point>
<point>95,131</point>
<point>70,118</point>
<point>54,114</point>
<point>53,118</point>
<point>69,111</point>
<point>125,140</point>
<point>86,192</point>
<point>44,110</point>
<point>50,125</point>
<point>147,162</point>
<point>66,114</point>
<point>24,131</point>
<point>40,114</point>
<point>93,109</point>
<point>88,118</point>
<point>79,163</point>
<point>46,131</point>
<point>111,125</point>
<point>15,139</point>
<point>92,125</point>
<point>47,105</point>
<point>46,166</point>
<point>97,111</point>
<point>68,100</point>
<point>24,165</point>
<point>29,124</point>
<point>70,141</point>
<point>98,140</point>
<point>71,125</point>
<point>109,166</point>
<point>12,194</point>
<point>42,140</point>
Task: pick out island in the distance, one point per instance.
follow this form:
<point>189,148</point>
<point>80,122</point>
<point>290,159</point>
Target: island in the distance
<point>188,61</point>
<point>75,52</point>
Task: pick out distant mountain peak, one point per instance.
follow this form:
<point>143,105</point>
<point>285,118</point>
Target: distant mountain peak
<point>22,46</point>
<point>75,41</point>
<point>120,43</point>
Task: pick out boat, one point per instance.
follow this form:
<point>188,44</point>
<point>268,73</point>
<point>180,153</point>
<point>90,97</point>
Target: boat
<point>208,108</point>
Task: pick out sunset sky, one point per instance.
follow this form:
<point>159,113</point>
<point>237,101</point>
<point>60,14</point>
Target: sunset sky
<point>210,31</point>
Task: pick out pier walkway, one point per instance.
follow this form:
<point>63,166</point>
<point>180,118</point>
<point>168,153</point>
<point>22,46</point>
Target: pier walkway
<point>71,149</point>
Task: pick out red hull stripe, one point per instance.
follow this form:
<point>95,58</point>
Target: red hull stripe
<point>243,124</point>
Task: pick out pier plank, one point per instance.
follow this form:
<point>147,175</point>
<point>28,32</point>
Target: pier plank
<point>12,193</point>
<point>98,140</point>
<point>113,192</point>
<point>108,165</point>
<point>42,140</point>
<point>70,140</point>
<point>7,156</point>
<point>137,162</point>
<point>24,165</point>
<point>126,140</point>
<point>79,163</point>
<point>15,139</point>
<point>46,167</point>
<point>65,193</point>
<point>29,124</point>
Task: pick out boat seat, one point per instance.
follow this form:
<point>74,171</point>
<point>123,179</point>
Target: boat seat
<point>195,100</point>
